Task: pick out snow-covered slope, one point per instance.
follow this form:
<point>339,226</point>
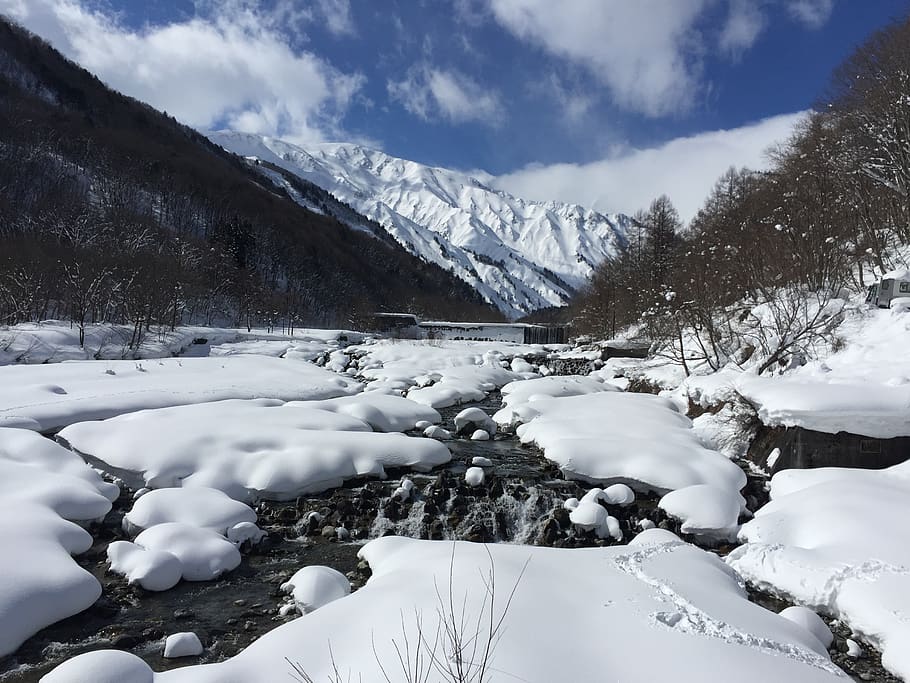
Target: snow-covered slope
<point>520,255</point>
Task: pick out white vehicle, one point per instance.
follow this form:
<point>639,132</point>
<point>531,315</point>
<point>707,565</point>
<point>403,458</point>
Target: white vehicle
<point>893,285</point>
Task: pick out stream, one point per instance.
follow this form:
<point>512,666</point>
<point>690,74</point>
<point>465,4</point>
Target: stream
<point>520,501</point>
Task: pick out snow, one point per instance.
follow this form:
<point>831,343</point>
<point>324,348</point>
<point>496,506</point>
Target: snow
<point>480,435</point>
<point>316,586</point>
<point>54,341</point>
<point>520,255</point>
<point>863,387</point>
<point>667,611</point>
<point>471,419</point>
<point>813,623</point>
<point>517,395</point>
<point>438,433</point>
<point>154,570</point>
<point>184,644</point>
<point>480,461</point>
<point>853,649</point>
<point>705,510</point>
<point>43,489</point>
<point>102,666</point>
<point>199,506</point>
<point>874,410</point>
<point>445,373</point>
<point>250,450</point>
<point>619,494</point>
<point>615,437</point>
<point>836,540</point>
<point>382,412</point>
<point>49,397</point>
<point>203,554</point>
<point>474,476</point>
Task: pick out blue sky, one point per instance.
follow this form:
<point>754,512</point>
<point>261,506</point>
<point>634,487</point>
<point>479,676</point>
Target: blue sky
<point>578,100</point>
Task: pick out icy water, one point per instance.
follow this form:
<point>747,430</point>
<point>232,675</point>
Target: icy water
<point>520,502</point>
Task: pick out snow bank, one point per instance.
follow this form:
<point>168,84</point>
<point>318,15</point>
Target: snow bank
<point>638,439</point>
<point>54,341</point>
<point>248,449</point>
<point>836,540</point>
<point>42,486</point>
<point>659,610</point>
<point>53,396</point>
<point>871,409</point>
<point>863,388</point>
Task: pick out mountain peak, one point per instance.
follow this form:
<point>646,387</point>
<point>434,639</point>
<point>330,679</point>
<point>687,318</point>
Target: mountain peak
<point>521,255</point>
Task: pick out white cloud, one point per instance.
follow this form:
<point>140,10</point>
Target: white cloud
<point>235,68</point>
<point>812,13</point>
<point>337,16</point>
<point>647,52</point>
<point>745,22</point>
<point>684,168</point>
<point>429,92</point>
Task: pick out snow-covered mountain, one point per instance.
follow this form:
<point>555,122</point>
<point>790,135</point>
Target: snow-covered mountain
<point>520,255</point>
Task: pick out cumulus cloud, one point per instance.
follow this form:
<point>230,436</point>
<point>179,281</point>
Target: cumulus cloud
<point>430,92</point>
<point>685,169</point>
<point>235,68</point>
<point>647,52</point>
<point>812,13</point>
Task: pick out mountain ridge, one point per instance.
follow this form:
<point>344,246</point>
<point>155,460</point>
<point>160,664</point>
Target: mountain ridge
<point>520,255</point>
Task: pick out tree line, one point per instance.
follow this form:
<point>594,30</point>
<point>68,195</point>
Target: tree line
<point>758,274</point>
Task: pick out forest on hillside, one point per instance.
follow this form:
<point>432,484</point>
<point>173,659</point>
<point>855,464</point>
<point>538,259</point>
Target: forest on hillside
<point>113,212</point>
<point>760,272</point>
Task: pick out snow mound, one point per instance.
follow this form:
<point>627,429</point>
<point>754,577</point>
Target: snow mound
<point>186,644</point>
<point>615,437</point>
<point>473,419</point>
<point>93,390</point>
<point>154,570</point>
<point>248,449</point>
<point>203,554</point>
<point>315,586</point>
<point>382,412</point>
<point>198,506</point>
<point>835,540</point>
<point>813,623</point>
<point>705,510</point>
<point>102,666</point>
<point>517,395</point>
<point>474,476</point>
<point>652,598</point>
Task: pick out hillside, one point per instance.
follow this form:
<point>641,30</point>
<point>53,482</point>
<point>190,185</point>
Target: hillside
<point>111,210</point>
<point>520,255</point>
